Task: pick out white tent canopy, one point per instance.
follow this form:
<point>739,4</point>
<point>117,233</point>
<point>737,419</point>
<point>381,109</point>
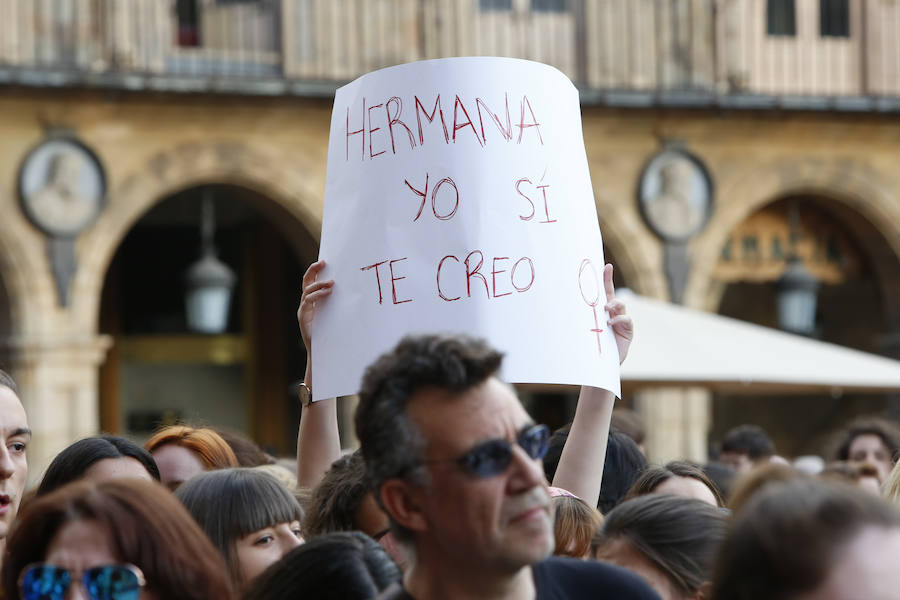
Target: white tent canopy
<point>675,345</point>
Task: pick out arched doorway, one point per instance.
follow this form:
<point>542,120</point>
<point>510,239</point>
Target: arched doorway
<point>856,307</point>
<point>159,372</point>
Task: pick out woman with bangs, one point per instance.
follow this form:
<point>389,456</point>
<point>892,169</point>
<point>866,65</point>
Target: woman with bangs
<point>248,515</point>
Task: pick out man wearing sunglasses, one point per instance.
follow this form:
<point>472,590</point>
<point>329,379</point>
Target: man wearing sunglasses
<point>14,438</point>
<point>455,461</point>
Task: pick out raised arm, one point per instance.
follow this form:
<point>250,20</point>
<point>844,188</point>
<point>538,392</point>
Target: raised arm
<point>580,469</point>
<point>318,441</point>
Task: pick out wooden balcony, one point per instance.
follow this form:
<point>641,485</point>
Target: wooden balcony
<point>702,52</point>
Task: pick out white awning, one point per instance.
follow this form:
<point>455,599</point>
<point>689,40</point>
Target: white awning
<point>679,346</point>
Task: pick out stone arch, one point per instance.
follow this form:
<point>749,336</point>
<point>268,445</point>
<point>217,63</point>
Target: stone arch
<point>637,254</point>
<point>852,194</point>
<point>292,188</point>
<point>29,287</point>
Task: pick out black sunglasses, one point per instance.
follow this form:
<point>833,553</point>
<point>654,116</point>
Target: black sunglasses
<point>493,457</point>
<point>41,581</point>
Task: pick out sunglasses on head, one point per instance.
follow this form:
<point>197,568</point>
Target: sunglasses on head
<point>108,582</point>
<point>493,457</point>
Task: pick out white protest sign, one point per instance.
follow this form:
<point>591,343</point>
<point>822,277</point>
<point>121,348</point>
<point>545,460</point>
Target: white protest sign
<point>458,200</point>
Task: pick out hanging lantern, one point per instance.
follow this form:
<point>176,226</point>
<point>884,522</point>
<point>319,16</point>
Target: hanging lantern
<point>209,281</point>
<point>797,297</point>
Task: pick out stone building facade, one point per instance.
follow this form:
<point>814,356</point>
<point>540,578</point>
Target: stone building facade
<point>176,97</point>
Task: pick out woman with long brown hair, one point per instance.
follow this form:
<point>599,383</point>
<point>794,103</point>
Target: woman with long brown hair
<point>116,540</point>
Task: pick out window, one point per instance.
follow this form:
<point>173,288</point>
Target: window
<point>548,5</point>
<point>780,17</point>
<point>536,5</point>
<point>188,19</point>
<point>834,18</point>
<point>495,4</point>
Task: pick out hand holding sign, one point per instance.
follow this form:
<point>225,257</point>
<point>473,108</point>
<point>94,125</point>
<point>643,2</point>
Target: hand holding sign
<point>619,320</point>
<point>458,199</point>
<point>314,291</point>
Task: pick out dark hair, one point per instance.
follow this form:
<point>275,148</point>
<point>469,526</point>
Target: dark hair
<point>77,458</point>
<point>574,524</point>
<point>148,527</point>
<point>391,446</point>
<point>750,440</point>
<point>653,476</point>
<point>246,451</point>
<point>624,463</point>
<point>335,501</point>
<point>630,423</point>
<point>342,565</point>
<point>722,476</point>
<point>679,536</point>
<point>6,380</point>
<point>784,541</point>
<point>554,450</point>
<point>886,430</point>
<point>231,503</point>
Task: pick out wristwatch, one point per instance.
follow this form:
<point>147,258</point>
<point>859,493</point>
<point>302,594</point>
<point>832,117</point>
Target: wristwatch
<point>305,395</point>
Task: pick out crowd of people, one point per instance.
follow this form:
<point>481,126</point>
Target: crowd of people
<point>454,492</point>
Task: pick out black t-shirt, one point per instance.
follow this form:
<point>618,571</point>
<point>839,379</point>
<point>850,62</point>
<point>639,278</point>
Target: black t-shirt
<point>558,578</point>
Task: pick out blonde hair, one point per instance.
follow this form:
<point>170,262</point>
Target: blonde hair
<point>574,525</point>
<point>890,489</point>
<point>283,475</point>
<point>759,478</point>
<point>208,445</point>
<point>847,471</point>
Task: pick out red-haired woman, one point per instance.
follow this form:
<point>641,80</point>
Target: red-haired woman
<point>181,452</point>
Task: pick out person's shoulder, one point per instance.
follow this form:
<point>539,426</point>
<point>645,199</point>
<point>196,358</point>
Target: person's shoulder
<point>558,577</point>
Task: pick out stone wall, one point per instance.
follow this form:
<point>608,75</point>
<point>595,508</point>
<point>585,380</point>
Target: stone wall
<point>153,146</point>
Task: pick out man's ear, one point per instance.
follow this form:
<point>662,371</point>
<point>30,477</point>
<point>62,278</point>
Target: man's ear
<point>403,502</point>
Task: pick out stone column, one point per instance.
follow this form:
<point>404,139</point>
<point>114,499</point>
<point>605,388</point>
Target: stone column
<point>58,384</point>
<point>677,422</point>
